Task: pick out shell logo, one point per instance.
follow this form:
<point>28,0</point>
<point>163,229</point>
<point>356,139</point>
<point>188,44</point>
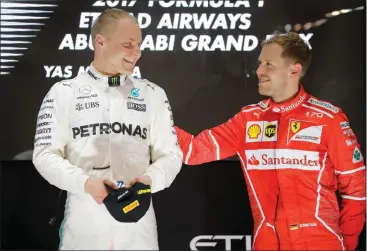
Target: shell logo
<point>254,131</point>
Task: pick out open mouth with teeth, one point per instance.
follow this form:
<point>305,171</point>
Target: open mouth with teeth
<point>129,61</point>
<point>264,81</point>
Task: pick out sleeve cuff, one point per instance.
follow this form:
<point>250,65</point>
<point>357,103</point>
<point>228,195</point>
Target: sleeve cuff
<point>157,183</point>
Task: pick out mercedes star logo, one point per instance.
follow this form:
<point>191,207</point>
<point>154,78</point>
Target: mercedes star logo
<point>85,89</point>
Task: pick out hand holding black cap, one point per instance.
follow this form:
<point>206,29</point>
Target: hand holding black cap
<point>128,204</point>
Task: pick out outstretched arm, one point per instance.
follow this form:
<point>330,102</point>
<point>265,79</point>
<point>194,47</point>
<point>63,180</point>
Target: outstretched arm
<point>213,144</point>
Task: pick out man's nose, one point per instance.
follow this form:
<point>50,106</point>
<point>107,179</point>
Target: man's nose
<point>260,70</point>
<point>137,52</point>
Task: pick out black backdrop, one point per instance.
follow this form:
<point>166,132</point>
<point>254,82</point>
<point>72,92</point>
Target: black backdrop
<point>205,88</point>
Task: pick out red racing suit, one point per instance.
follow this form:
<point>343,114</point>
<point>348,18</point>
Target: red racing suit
<point>295,156</point>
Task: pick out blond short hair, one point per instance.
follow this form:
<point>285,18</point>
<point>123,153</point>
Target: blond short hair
<point>294,48</point>
<point>106,19</point>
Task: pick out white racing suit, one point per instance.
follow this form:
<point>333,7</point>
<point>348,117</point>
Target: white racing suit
<point>87,128</point>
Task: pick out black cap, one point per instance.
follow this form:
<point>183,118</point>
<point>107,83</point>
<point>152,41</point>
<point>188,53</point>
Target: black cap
<point>128,204</point>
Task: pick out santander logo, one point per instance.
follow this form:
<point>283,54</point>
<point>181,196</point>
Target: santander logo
<point>253,161</point>
<point>266,159</point>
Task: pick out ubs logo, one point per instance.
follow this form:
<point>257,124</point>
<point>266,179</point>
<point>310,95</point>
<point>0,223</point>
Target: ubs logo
<point>90,105</point>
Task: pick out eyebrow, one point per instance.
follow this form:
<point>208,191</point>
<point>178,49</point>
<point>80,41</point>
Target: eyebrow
<point>265,60</point>
<point>133,40</point>
<point>129,38</point>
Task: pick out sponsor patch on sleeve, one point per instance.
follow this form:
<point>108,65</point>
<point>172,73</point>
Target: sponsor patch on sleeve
<point>357,155</point>
<point>344,125</point>
<point>323,104</point>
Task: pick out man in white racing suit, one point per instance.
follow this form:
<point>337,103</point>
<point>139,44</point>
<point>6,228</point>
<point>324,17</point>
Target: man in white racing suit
<point>105,126</point>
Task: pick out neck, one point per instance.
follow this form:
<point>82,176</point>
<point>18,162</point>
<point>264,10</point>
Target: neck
<point>102,68</point>
<point>287,95</point>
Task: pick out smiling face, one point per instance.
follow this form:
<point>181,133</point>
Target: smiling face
<point>120,47</point>
<point>273,71</point>
<point>117,38</point>
<point>283,61</point>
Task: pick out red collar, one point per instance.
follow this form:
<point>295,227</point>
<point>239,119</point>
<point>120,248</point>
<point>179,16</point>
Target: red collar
<point>290,104</point>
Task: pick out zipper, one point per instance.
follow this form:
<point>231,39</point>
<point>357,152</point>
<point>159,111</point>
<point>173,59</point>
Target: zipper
<point>278,196</point>
<point>275,221</point>
<point>110,134</point>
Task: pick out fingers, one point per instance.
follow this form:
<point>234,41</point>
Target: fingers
<point>96,188</point>
<point>146,180</point>
<point>110,183</point>
<point>131,183</point>
<point>100,199</point>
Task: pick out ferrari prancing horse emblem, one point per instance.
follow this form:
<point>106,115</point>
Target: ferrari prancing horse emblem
<point>295,126</point>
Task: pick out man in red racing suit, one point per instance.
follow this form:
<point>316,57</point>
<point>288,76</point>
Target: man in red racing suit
<point>294,155</point>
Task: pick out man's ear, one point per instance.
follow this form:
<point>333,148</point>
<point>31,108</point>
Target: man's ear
<point>99,40</point>
<point>296,70</point>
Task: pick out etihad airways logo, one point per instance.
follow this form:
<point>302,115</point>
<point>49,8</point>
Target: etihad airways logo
<point>268,159</point>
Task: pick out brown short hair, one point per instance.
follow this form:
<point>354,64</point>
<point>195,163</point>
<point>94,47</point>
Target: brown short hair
<point>294,48</point>
<point>108,17</point>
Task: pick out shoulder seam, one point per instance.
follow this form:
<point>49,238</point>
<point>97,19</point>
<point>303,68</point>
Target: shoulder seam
<point>251,107</point>
<point>147,83</point>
